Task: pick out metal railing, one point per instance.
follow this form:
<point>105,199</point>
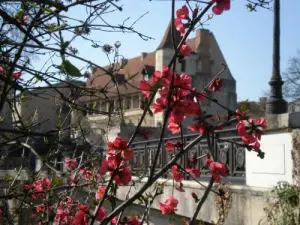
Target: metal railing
<point>225,144</point>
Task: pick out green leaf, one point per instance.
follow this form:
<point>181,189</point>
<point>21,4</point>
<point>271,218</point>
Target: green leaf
<point>37,77</point>
<point>57,28</point>
<point>94,105</point>
<point>57,181</point>
<point>23,5</point>
<point>70,69</point>
<point>244,106</point>
<point>23,98</point>
<point>20,14</point>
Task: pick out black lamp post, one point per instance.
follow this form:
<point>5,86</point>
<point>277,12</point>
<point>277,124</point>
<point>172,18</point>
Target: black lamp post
<point>275,103</point>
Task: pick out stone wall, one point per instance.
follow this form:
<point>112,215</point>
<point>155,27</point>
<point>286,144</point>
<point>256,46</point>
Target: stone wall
<point>246,207</point>
<point>296,155</point>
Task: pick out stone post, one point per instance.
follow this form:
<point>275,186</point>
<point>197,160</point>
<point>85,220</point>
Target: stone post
<point>275,103</point>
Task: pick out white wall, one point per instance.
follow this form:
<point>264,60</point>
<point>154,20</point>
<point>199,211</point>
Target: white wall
<point>277,164</point>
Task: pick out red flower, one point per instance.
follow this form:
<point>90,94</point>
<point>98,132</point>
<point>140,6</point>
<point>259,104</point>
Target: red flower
<point>183,12</point>
<point>123,177</point>
<point>118,144</point>
<point>169,206</point>
<point>195,12</point>
<point>239,114</point>
<point>217,169</point>
<point>170,145</point>
<point>80,218</point>
<point>216,85</point>
<point>221,6</point>
<point>185,50</point>
<point>100,192</point>
<point>127,154</point>
<point>146,133</point>
<point>16,75</point>
<point>104,167</point>
<point>176,174</point>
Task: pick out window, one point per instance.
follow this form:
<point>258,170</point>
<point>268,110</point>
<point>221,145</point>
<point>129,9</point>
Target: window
<point>91,111</point>
<point>127,102</point>
<point>136,102</point>
<point>183,66</point>
<point>84,111</point>
<point>103,107</point>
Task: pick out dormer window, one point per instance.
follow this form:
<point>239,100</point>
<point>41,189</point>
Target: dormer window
<point>146,74</point>
<point>146,77</point>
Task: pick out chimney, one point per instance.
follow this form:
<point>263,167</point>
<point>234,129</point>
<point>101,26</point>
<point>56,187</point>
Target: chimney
<point>262,103</point>
<point>202,42</point>
<point>143,55</point>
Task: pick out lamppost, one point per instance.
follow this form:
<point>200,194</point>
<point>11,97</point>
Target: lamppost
<point>275,103</point>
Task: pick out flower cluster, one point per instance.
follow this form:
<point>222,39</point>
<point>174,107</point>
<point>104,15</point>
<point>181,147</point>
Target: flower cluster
<point>37,187</point>
<point>181,99</point>
<point>117,154</point>
<point>66,210</point>
<point>251,130</point>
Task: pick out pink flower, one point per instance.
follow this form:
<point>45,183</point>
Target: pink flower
<point>71,163</point>
<point>100,192</point>
<point>114,220</point>
<point>174,127</point>
<point>183,12</point>
<point>145,88</point>
<point>221,6</point>
<point>217,169</point>
<point>101,214</point>
<point>1,70</point>
<point>22,19</point>
<point>169,206</point>
<point>40,208</point>
<point>185,50</point>
<point>133,221</point>
<point>179,26</point>
<point>176,174</point>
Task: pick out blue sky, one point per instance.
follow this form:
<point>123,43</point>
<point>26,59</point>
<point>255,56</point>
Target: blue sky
<point>245,38</point>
